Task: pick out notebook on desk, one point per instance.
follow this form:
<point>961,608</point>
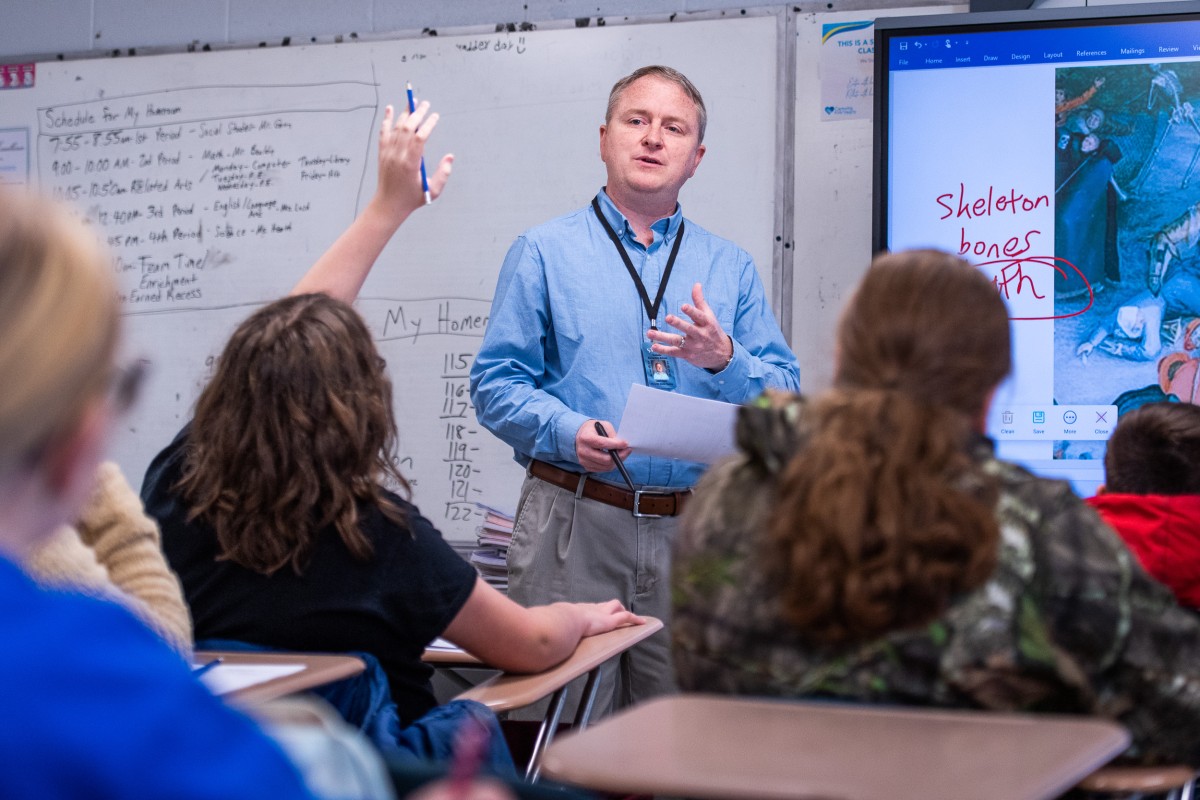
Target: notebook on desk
<point>228,678</point>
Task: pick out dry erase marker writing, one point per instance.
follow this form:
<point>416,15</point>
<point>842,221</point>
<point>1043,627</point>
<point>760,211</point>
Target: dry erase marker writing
<point>412,106</point>
<point>616,459</point>
<point>203,668</point>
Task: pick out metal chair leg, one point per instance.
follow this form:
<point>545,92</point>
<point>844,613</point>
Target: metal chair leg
<point>583,714</point>
<point>546,734</point>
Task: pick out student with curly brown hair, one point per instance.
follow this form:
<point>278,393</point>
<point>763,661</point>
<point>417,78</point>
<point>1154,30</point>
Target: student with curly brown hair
<point>1151,493</point>
<point>868,545</point>
<point>280,506</point>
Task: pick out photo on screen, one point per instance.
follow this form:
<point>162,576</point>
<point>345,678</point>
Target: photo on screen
<point>1127,215</point>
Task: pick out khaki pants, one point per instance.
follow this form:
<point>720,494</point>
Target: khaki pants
<point>568,548</point>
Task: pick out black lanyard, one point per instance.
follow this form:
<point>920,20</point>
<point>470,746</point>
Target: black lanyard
<point>651,308</point>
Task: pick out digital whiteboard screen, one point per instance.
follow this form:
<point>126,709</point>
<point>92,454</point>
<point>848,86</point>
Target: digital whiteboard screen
<point>1060,153</point>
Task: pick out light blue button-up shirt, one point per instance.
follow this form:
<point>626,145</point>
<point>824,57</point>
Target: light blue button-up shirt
<point>563,342</point>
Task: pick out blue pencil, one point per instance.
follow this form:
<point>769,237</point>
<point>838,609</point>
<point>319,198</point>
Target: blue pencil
<point>412,106</point>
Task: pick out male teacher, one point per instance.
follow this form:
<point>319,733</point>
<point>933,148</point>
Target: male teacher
<point>578,317</point>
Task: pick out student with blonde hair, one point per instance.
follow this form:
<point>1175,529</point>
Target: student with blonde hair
<point>868,545</point>
<point>94,704</point>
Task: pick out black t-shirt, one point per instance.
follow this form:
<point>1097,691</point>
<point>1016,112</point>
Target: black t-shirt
<point>391,606</point>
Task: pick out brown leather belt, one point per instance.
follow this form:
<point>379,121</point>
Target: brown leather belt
<point>642,504</point>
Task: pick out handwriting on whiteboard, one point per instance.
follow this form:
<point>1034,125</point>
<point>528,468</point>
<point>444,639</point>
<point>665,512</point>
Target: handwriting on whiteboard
<point>196,190</point>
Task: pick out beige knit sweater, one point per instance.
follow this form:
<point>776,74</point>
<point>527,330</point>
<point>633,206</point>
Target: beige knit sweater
<point>115,553</point>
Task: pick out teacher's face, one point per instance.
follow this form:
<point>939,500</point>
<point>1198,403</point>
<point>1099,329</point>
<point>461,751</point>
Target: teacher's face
<point>651,145</point>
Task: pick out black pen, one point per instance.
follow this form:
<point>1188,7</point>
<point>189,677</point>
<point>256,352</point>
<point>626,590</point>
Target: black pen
<point>616,459</point>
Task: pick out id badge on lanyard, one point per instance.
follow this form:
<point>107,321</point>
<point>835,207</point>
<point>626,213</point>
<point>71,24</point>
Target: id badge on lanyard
<point>659,368</point>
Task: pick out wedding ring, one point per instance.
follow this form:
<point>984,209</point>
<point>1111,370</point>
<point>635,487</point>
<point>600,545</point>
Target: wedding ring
<point>682,340</point>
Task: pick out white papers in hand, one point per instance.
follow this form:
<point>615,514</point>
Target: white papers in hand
<point>674,425</point>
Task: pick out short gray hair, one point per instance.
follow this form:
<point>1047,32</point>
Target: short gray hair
<point>667,74</point>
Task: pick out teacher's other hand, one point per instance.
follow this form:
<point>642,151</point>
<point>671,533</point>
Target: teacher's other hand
<point>591,449</point>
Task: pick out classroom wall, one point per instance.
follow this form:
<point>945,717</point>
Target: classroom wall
<point>830,237</point>
<point>100,26</point>
<point>73,26</point>
<point>832,161</point>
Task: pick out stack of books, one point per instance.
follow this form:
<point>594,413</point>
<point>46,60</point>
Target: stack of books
<point>490,555</point>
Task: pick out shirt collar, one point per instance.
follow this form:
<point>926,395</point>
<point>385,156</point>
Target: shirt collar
<point>664,229</point>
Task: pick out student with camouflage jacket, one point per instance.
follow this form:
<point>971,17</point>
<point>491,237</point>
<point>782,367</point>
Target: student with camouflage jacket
<point>869,546</point>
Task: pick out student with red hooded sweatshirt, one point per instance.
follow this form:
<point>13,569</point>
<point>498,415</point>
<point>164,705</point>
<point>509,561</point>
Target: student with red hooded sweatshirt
<point>1151,494</point>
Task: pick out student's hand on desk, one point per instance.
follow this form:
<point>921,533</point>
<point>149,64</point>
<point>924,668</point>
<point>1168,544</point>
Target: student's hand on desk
<point>401,146</point>
<point>591,449</point>
<point>607,616</point>
<point>700,342</point>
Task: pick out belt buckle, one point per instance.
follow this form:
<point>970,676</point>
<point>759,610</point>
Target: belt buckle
<point>637,500</point>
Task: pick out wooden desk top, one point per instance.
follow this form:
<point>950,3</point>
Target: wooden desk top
<point>718,747</point>
<point>318,669</point>
<point>509,690</point>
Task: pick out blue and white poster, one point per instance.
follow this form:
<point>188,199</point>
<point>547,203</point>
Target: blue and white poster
<point>847,70</point>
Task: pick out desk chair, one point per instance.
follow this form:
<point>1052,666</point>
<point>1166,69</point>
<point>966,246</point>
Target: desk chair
<point>1174,782</point>
<point>509,691</point>
<point>704,746</point>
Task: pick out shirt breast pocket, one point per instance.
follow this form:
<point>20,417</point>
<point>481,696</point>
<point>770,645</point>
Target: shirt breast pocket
<point>725,315</point>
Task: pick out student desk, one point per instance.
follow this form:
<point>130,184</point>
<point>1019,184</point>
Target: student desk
<point>441,657</point>
<point>316,670</point>
<point>719,747</point>
<point>507,691</point>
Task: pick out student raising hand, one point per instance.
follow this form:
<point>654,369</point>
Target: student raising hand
<point>401,146</point>
<point>341,271</point>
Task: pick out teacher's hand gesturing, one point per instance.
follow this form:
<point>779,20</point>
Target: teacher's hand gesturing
<point>700,340</point>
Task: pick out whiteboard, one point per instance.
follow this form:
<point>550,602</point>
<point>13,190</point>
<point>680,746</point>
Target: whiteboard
<point>217,179</point>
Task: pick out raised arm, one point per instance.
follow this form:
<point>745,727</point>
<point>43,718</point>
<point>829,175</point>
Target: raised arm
<point>517,639</point>
<point>343,268</point>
